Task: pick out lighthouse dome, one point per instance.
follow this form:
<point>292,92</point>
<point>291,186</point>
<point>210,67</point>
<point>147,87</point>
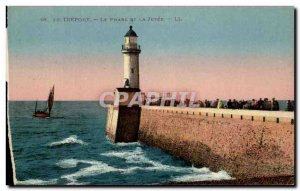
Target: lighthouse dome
<point>130,32</point>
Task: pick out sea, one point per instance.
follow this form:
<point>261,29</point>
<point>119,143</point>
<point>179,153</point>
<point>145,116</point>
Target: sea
<point>71,148</point>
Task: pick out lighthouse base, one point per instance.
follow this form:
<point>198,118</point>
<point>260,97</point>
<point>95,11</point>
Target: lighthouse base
<point>122,121</point>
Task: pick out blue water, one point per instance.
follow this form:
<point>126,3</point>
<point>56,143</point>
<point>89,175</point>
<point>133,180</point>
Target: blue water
<point>71,148</point>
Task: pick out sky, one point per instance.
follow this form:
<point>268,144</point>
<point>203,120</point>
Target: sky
<point>217,52</point>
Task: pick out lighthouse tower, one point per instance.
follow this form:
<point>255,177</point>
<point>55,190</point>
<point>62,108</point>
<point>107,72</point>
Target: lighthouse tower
<point>123,120</point>
<point>131,51</point>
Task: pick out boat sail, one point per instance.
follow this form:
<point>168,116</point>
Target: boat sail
<point>45,113</point>
<point>51,99</point>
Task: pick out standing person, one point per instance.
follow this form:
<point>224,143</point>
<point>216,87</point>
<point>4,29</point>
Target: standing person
<point>293,105</point>
<point>220,104</point>
<point>234,104</point>
<point>215,103</point>
<point>246,105</point>
<point>229,104</point>
<point>289,106</point>
<point>240,104</point>
<point>253,104</point>
<point>207,103</point>
<point>266,104</point>
<point>212,104</point>
<point>275,105</point>
<point>260,104</point>
<point>243,104</point>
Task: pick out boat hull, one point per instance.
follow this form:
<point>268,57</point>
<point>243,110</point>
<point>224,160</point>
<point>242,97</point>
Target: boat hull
<point>41,115</point>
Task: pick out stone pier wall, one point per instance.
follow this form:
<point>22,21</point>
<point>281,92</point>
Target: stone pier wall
<point>245,143</point>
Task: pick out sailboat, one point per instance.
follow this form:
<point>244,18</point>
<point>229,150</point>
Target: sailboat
<point>47,111</point>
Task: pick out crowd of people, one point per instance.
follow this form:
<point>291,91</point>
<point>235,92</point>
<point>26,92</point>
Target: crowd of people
<point>261,104</point>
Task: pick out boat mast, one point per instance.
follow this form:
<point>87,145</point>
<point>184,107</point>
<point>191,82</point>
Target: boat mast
<point>35,106</point>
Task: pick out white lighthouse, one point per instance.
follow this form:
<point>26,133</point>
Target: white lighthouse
<point>131,51</point>
<point>123,119</point>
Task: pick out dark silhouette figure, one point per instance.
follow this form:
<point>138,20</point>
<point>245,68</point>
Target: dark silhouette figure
<point>275,105</point>
<point>290,106</point>
<point>260,104</point>
<point>235,104</point>
<point>229,104</point>
<point>267,104</point>
<point>253,104</point>
<point>207,103</point>
<point>126,85</point>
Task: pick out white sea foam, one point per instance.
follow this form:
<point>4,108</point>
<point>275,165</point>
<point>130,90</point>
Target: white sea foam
<point>77,183</point>
<point>128,144</point>
<point>122,144</point>
<point>221,175</point>
<point>68,163</point>
<point>95,168</point>
<point>137,156</point>
<point>36,182</point>
<point>70,140</point>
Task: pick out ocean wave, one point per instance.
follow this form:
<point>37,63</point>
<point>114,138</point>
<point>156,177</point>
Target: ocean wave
<point>95,168</point>
<point>128,144</point>
<point>221,175</point>
<point>68,163</point>
<point>134,156</point>
<point>122,144</point>
<point>77,183</point>
<point>36,182</point>
<point>70,140</point>
<point>137,156</point>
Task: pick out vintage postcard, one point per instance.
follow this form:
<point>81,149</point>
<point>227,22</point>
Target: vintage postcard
<point>150,96</point>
